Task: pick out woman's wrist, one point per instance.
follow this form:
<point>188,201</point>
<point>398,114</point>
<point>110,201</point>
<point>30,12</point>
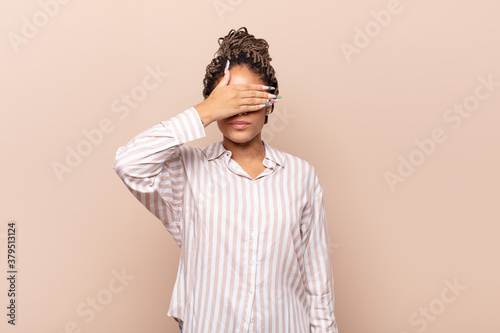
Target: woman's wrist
<point>204,114</point>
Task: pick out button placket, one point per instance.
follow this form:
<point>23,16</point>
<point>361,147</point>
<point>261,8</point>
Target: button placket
<point>253,249</point>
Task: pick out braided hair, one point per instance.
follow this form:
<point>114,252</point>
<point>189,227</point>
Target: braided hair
<point>241,48</point>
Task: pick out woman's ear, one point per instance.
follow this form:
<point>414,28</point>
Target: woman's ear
<point>268,111</point>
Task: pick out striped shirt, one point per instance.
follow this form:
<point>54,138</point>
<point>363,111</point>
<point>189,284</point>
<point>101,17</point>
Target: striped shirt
<point>254,252</point>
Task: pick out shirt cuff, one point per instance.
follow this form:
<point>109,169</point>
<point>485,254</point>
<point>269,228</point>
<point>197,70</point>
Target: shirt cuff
<point>186,126</point>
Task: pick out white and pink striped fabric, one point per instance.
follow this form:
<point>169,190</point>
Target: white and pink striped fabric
<point>254,252</point>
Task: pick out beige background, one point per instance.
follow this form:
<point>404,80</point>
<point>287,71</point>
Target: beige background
<point>395,250</point>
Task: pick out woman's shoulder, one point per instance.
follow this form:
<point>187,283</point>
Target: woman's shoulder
<point>293,162</point>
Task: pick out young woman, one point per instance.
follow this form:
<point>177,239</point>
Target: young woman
<point>249,219</point>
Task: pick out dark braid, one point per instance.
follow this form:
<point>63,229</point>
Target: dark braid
<point>241,48</point>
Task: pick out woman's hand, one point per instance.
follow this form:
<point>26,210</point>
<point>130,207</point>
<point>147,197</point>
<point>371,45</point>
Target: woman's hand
<point>228,100</point>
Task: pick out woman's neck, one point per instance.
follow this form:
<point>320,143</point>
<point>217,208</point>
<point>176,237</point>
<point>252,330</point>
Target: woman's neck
<point>251,151</point>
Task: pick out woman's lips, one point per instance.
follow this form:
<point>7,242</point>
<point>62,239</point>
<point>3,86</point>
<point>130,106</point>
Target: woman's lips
<point>239,124</point>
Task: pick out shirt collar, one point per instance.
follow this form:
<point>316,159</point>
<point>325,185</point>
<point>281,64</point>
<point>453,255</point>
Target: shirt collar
<point>216,149</point>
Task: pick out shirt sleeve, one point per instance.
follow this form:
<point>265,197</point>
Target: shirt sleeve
<point>151,166</point>
<point>318,270</point>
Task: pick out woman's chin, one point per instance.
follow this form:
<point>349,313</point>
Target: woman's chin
<point>240,137</point>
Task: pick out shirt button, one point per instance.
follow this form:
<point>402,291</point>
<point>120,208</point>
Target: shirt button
<point>250,292</point>
<point>253,234</point>
<point>252,262</point>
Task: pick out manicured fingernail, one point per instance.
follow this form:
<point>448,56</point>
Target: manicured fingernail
<point>271,101</point>
<point>278,97</point>
<point>227,66</point>
<point>268,87</point>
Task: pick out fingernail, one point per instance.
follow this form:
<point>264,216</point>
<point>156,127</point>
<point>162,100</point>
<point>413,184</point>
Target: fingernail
<point>278,96</point>
<point>268,87</point>
<point>227,66</point>
<point>271,101</point>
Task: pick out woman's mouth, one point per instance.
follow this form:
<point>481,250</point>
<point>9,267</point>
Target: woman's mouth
<point>239,124</point>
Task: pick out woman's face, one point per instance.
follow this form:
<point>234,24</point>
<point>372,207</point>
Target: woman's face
<point>243,133</point>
